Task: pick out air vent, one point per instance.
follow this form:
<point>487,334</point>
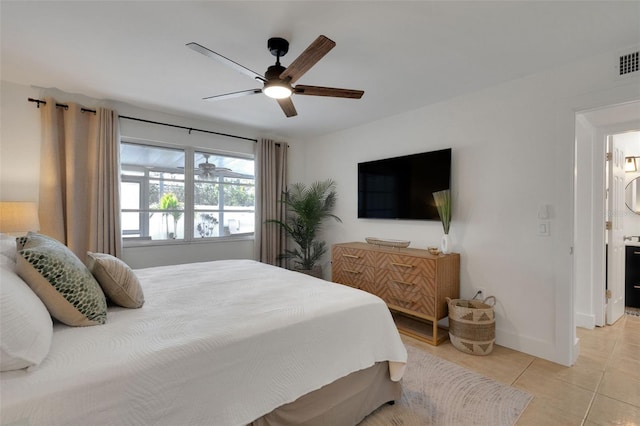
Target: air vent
<point>628,64</point>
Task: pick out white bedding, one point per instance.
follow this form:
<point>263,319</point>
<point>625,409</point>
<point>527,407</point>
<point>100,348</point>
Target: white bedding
<point>216,343</point>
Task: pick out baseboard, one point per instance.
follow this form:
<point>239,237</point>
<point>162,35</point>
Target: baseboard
<point>585,320</point>
<point>529,345</point>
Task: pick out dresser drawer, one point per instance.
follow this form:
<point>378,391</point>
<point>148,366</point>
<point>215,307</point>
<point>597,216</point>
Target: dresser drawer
<point>352,274</point>
<point>403,281</point>
<point>413,302</point>
<point>412,292</point>
<point>406,264</point>
<point>352,256</point>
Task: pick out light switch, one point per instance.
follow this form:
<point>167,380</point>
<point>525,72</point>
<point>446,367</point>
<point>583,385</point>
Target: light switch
<point>544,228</point>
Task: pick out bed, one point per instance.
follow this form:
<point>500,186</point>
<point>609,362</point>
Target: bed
<point>217,343</point>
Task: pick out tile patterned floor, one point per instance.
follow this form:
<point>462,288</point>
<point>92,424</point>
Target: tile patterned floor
<point>602,388</point>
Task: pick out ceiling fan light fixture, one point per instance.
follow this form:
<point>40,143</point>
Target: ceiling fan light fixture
<point>277,89</point>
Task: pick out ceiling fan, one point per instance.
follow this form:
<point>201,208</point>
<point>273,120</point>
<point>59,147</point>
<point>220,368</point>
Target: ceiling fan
<point>206,170</point>
<point>277,79</point>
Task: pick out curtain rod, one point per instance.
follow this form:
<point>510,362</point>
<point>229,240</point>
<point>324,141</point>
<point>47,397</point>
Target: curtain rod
<point>190,129</point>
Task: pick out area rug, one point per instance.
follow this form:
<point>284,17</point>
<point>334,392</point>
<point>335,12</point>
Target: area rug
<point>439,392</point>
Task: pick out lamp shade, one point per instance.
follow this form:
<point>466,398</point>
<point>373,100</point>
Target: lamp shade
<point>18,217</point>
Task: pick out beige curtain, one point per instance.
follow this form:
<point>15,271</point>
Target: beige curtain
<point>271,182</point>
<point>79,178</point>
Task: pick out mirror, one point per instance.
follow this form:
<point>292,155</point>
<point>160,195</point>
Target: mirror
<point>632,195</point>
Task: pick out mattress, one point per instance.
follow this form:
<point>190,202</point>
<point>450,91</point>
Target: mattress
<point>216,343</point>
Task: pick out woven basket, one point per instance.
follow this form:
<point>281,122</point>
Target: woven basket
<point>472,325</point>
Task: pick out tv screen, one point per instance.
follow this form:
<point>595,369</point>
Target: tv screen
<point>402,187</point>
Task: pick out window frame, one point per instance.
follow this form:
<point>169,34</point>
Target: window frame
<point>189,195</point>
<point>143,191</point>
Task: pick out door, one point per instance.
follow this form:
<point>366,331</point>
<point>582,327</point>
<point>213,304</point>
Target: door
<point>615,232</point>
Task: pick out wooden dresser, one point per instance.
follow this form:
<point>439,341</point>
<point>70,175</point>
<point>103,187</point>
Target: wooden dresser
<point>413,283</point>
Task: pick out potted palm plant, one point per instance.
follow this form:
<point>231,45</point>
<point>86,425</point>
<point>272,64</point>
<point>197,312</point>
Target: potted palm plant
<point>170,202</point>
<point>307,208</point>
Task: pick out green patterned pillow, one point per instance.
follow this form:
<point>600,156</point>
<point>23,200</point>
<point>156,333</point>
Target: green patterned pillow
<point>21,241</point>
<point>62,281</point>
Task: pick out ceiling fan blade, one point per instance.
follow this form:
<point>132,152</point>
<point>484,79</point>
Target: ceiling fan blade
<point>327,91</point>
<point>226,61</point>
<point>233,95</point>
<point>287,106</point>
<point>311,55</point>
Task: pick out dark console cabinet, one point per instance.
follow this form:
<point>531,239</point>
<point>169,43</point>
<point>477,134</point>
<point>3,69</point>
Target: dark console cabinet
<point>632,277</point>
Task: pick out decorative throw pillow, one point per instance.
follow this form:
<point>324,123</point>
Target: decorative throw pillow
<point>118,281</point>
<point>26,324</point>
<point>61,281</point>
<point>21,241</point>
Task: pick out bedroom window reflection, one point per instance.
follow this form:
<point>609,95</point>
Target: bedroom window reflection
<point>163,187</point>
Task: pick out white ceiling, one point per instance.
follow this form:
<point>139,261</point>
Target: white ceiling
<point>404,55</point>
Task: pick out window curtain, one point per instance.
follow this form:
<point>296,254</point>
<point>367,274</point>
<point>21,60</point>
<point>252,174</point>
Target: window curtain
<point>79,201</point>
<point>271,177</point>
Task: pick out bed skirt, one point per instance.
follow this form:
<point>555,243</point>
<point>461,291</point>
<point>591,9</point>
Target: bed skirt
<point>345,402</point>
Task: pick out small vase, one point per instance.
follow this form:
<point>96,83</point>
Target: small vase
<point>445,244</point>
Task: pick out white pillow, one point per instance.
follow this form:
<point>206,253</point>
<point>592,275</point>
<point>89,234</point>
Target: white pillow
<point>26,326</point>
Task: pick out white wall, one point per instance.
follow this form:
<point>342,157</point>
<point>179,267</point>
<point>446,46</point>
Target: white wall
<point>19,143</point>
<point>513,151</point>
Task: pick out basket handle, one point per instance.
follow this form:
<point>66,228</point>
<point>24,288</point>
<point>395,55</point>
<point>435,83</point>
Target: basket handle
<point>493,298</point>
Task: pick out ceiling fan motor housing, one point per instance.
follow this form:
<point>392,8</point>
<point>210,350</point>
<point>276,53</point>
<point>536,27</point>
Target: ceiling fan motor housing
<point>273,72</point>
<point>278,46</point>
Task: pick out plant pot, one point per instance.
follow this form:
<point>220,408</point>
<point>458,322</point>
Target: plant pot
<point>315,272</point>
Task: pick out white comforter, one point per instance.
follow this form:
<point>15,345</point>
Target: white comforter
<point>216,343</point>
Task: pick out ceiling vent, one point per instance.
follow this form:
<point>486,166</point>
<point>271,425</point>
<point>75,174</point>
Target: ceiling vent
<point>628,64</point>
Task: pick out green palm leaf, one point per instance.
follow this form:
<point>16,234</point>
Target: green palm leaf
<point>307,208</point>
<point>443,204</point>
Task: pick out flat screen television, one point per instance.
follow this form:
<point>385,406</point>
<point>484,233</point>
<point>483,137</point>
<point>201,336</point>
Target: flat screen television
<point>402,187</point>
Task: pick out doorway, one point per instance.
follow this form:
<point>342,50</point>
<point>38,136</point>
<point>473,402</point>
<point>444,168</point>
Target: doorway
<point>593,128</point>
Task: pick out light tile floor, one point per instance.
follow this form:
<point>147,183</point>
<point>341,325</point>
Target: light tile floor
<point>602,388</point>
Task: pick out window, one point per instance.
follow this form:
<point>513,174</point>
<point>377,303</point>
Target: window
<point>224,196</point>
<point>162,188</point>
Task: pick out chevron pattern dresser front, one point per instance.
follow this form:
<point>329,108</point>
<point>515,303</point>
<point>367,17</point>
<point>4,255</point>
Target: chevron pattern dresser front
<point>413,283</point>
